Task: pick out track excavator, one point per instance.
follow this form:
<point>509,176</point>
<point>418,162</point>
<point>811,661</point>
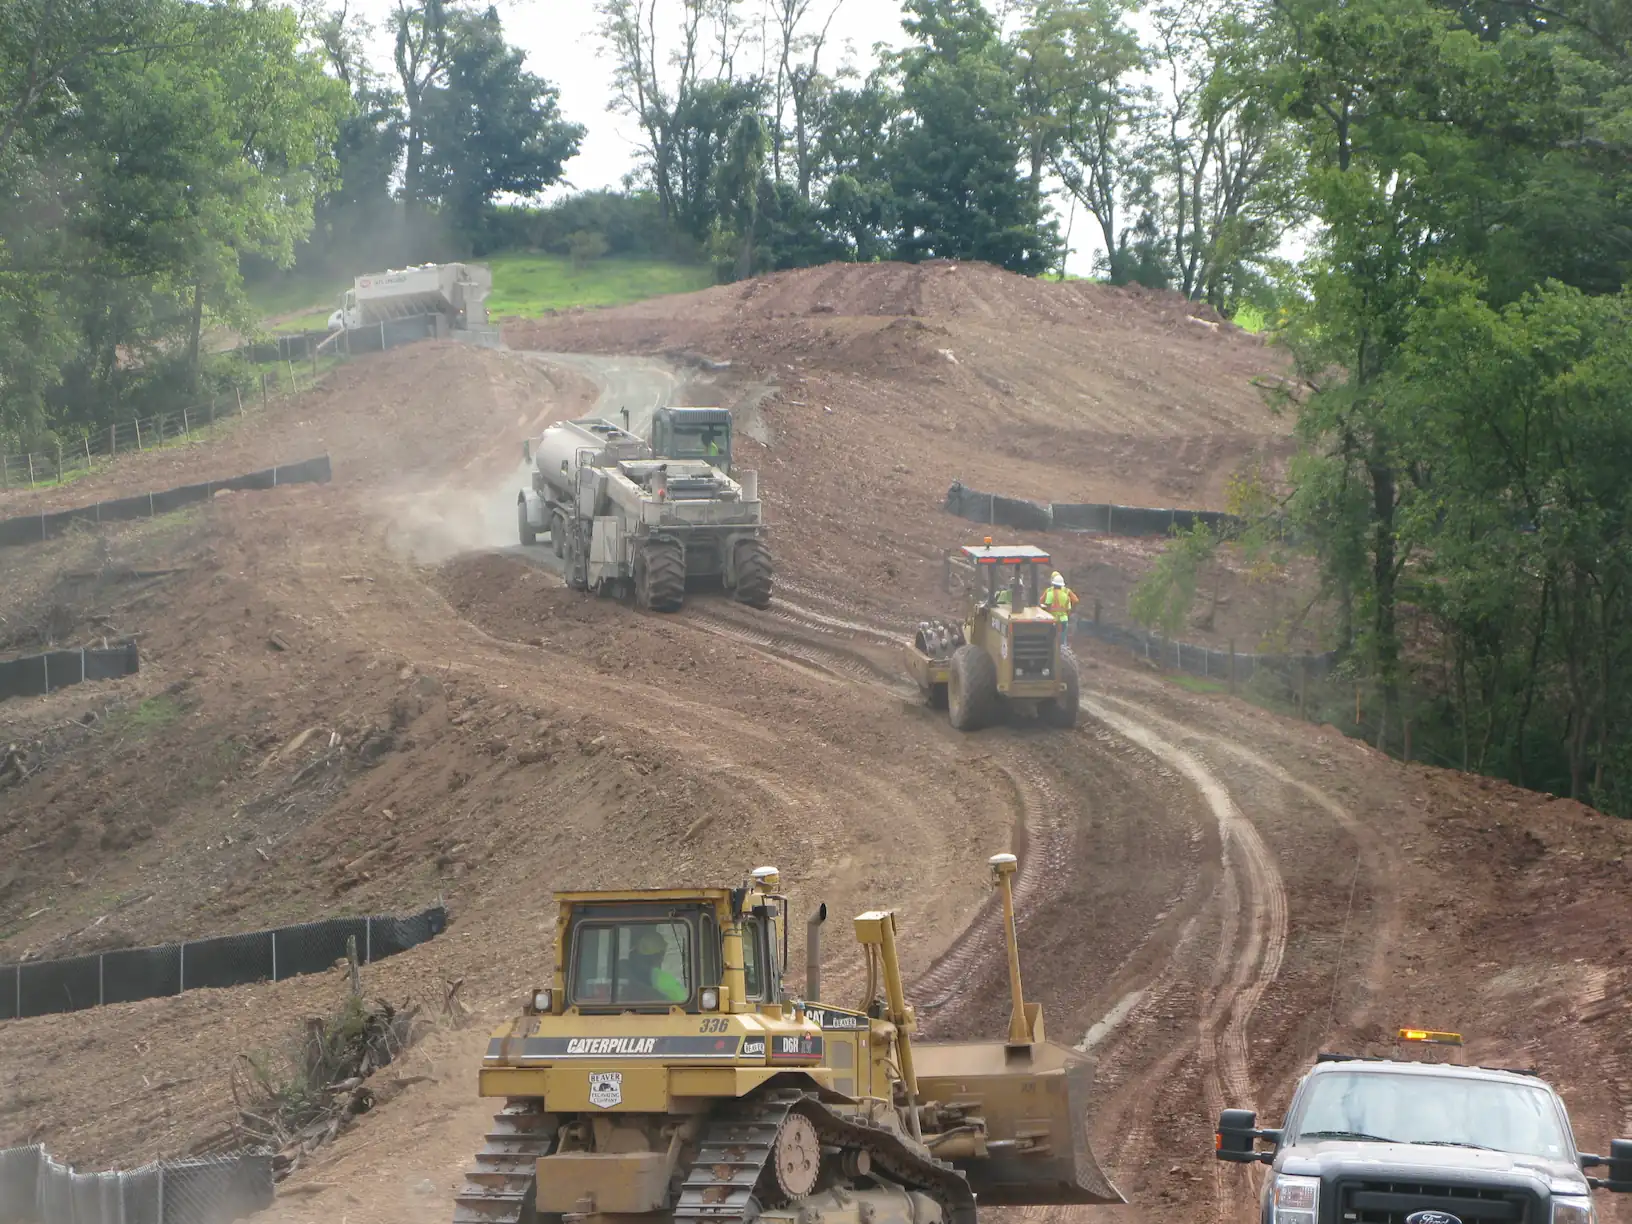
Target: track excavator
<point>669,1073</point>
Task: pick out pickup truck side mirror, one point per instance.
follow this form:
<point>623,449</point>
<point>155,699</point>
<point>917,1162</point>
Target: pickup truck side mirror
<point>1237,1137</point>
<point>1620,1167</point>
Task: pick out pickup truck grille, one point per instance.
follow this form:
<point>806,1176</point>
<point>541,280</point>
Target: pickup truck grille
<point>1390,1202</point>
<point>1033,651</point>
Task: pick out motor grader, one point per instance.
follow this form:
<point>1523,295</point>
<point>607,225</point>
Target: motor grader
<point>1007,651</point>
<point>668,1073</point>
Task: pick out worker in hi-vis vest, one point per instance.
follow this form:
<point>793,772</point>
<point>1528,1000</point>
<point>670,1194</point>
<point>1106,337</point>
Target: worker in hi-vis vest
<point>1060,600</point>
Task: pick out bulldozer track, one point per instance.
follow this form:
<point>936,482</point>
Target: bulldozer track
<point>501,1188</point>
<point>722,1185</point>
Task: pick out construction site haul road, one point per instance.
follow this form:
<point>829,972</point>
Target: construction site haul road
<point>364,696</point>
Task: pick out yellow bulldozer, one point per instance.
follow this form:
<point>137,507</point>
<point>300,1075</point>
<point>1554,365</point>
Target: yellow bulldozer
<point>667,1073</point>
<point>1006,652</point>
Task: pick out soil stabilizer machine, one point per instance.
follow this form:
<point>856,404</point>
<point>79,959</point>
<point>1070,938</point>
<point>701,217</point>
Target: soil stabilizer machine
<point>1007,651</point>
<point>667,1074</point>
<point>644,519</point>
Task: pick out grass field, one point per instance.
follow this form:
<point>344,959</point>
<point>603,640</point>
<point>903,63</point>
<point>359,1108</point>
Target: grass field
<point>529,285</point>
<point>524,284</point>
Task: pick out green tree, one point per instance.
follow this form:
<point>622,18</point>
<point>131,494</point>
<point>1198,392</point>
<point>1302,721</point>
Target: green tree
<point>136,179</point>
<point>490,126</point>
<point>955,152</point>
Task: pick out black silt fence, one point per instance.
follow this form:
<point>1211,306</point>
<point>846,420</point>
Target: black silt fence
<point>1101,517</point>
<point>32,528</point>
<point>36,1189</point>
<point>998,510</point>
<point>36,675</point>
<point>41,988</point>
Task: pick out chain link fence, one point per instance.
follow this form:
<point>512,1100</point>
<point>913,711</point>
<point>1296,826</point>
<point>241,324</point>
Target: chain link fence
<point>35,1189</point>
<point>41,988</point>
<point>74,456</point>
<point>1228,666</point>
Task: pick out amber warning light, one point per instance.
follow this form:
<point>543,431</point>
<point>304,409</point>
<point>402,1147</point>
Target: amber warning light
<point>1430,1037</point>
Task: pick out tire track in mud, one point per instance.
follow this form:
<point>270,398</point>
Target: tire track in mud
<point>1378,857</point>
<point>1253,941</point>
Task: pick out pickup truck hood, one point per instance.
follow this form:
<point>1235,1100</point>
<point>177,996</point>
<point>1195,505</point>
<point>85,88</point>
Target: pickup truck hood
<point>1347,1158</point>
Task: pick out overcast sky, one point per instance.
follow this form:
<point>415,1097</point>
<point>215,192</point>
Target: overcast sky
<point>561,43</point>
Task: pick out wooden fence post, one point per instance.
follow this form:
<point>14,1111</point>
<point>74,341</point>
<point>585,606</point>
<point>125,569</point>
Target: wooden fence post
<point>59,463</point>
<point>1232,665</point>
<point>5,471</point>
<point>137,422</point>
<point>31,469</point>
<point>263,390</point>
<point>113,439</point>
<point>186,423</point>
<point>87,452</point>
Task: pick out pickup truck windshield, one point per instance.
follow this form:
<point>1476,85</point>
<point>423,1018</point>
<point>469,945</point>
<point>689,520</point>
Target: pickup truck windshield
<point>1430,1109</point>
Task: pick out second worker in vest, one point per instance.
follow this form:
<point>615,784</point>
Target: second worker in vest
<point>1060,600</point>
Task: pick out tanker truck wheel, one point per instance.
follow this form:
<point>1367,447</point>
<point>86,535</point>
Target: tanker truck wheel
<point>558,534</point>
<point>660,576</point>
<point>754,574</point>
<point>529,537</point>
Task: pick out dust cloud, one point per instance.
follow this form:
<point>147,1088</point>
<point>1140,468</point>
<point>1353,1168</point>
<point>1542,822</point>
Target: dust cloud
<point>430,526</point>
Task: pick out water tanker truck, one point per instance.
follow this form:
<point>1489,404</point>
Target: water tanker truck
<point>455,295</point>
<point>628,520</point>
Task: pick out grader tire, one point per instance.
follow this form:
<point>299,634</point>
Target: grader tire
<point>971,695</point>
<point>754,574</point>
<point>529,537</point>
<point>660,576</point>
<point>1062,711</point>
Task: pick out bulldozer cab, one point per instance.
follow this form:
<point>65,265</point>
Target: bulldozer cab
<point>693,433</point>
<point>700,951</point>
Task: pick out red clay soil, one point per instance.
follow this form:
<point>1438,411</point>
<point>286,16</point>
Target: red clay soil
<point>352,701</point>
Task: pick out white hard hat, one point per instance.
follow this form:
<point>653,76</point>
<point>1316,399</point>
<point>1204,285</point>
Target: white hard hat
<point>1058,581</point>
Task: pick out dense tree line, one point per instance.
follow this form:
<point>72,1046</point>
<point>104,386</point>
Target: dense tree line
<point>992,127</point>
<point>1461,337</point>
<point>154,152</point>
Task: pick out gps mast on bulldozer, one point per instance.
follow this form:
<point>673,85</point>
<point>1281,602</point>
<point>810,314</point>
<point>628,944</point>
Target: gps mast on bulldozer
<point>631,517</point>
<point>668,1074</point>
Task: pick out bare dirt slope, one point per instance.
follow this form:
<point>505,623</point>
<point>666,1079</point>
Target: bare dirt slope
<point>877,386</point>
<point>359,696</point>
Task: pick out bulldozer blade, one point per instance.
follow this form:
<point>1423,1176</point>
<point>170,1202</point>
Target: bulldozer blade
<point>1034,1099</point>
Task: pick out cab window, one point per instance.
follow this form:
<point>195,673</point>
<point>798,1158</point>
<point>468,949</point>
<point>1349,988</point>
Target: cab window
<point>753,956</point>
<point>632,964</point>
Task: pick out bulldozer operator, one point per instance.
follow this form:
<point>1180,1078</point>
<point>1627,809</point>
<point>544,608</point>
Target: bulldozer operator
<point>643,973</point>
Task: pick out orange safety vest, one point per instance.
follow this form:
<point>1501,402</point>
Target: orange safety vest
<point>1059,601</point>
